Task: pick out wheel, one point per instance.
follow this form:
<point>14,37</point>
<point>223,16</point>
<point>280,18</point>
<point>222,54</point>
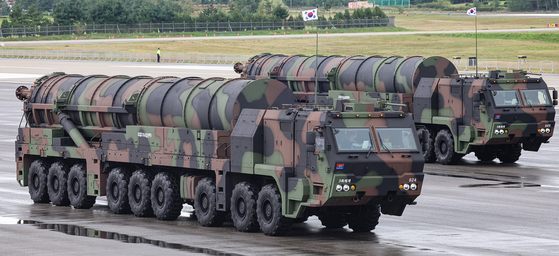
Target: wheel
<point>333,220</point>
<point>485,154</point>
<point>117,191</point>
<point>365,220</point>
<point>510,153</point>
<point>427,144</point>
<point>243,207</point>
<point>268,210</point>
<point>139,193</point>
<point>166,200</point>
<point>37,181</point>
<point>57,184</point>
<point>444,148</point>
<point>77,188</point>
<point>205,204</point>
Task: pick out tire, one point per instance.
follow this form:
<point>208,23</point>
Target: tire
<point>268,210</point>
<point>58,184</point>
<point>166,200</point>
<point>444,148</point>
<point>485,154</point>
<point>243,207</point>
<point>205,204</point>
<point>365,220</point>
<point>510,153</point>
<point>333,220</point>
<point>37,181</point>
<point>427,145</point>
<point>117,191</point>
<point>139,193</point>
<point>77,188</point>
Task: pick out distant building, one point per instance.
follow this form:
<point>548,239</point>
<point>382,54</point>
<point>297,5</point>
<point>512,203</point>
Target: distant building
<point>10,3</point>
<point>356,5</point>
<point>374,3</point>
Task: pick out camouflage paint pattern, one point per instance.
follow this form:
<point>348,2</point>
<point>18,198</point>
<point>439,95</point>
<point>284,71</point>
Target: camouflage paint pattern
<point>353,73</point>
<point>444,103</point>
<point>449,103</point>
<point>232,130</point>
<point>308,179</point>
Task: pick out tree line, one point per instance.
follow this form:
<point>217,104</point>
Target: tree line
<point>511,5</point>
<point>71,12</point>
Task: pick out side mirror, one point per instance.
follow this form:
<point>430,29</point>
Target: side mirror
<point>424,135</point>
<point>554,102</point>
<point>310,148</point>
<point>555,95</point>
<point>311,138</point>
<point>476,97</point>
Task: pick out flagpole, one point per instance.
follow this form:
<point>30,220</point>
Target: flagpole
<point>476,46</point>
<point>316,64</point>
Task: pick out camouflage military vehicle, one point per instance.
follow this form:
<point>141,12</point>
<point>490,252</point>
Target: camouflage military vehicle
<point>225,146</point>
<point>494,117</point>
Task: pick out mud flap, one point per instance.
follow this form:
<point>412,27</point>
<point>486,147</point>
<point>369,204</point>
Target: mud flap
<point>531,146</point>
<point>392,209</point>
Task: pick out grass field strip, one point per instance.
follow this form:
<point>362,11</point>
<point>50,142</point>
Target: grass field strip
<point>461,64</point>
<point>125,56</point>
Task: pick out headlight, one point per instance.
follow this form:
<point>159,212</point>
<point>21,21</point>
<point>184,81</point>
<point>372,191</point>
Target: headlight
<point>547,130</point>
<point>496,132</point>
<point>406,186</point>
<point>339,188</point>
<point>413,186</point>
<point>501,131</point>
<point>346,187</point>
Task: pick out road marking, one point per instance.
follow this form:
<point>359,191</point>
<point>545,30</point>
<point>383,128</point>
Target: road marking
<point>15,75</point>
<point>8,220</point>
<point>15,192</point>
<point>25,67</point>
<point>549,186</point>
<point>191,67</point>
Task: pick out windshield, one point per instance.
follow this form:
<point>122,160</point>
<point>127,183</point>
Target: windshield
<point>506,98</point>
<point>354,139</point>
<point>535,97</point>
<point>396,139</point>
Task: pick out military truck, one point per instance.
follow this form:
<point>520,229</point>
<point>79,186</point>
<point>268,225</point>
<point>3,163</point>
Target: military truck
<point>494,117</point>
<point>240,147</point>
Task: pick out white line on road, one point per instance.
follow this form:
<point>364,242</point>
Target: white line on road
<point>15,75</point>
<point>15,192</point>
<point>26,67</point>
<point>191,67</point>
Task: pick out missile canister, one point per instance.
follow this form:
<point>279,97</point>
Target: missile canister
<point>353,73</point>
<point>114,102</point>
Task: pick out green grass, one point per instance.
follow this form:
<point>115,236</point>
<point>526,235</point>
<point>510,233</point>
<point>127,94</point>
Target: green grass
<point>203,34</point>
<point>534,36</point>
<point>437,22</point>
<point>536,45</point>
<point>495,46</point>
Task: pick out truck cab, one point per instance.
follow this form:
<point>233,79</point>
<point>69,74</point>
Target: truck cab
<point>349,165</point>
<point>494,117</point>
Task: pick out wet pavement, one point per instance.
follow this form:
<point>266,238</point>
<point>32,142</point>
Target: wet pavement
<point>472,208</point>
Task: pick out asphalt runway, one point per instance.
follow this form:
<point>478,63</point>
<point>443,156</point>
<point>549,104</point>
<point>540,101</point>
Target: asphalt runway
<point>468,209</point>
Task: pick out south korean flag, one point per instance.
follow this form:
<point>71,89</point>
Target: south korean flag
<point>310,15</point>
